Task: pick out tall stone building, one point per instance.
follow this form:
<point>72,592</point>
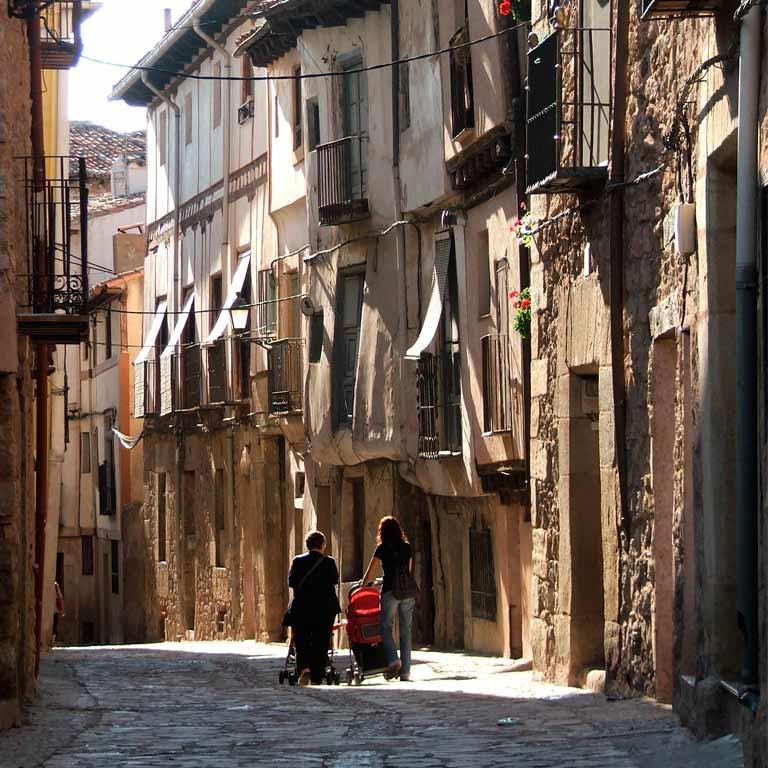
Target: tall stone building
<point>644,564</point>
<point>45,303</point>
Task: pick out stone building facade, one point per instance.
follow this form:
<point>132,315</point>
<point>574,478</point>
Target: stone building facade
<point>17,521</point>
<point>637,566</point>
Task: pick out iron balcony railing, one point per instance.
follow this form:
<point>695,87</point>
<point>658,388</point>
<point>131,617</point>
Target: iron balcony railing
<point>439,405</point>
<point>497,384</point>
<point>286,380</point>
<point>569,110</point>
<point>55,199</point>
<point>342,180</point>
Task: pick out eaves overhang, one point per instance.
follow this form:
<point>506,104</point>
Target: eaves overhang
<point>176,50</point>
<point>281,22</point>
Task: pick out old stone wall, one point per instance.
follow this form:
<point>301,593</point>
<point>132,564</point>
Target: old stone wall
<point>658,284</point>
<point>17,612</point>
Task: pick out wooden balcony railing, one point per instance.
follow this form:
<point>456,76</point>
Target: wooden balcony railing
<point>286,380</point>
<point>342,180</point>
<point>439,405</point>
<point>497,383</point>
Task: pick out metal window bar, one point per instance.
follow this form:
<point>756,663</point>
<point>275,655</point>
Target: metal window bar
<point>482,574</point>
<point>569,105</point>
<point>61,287</point>
<point>438,410</point>
<point>342,179</point>
<point>497,383</point>
<point>286,376</point>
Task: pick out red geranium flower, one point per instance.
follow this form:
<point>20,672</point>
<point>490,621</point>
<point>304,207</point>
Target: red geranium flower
<point>505,7</point>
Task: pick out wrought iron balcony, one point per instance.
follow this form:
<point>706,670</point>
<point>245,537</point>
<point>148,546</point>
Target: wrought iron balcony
<point>286,381</point>
<point>57,278</point>
<point>569,110</point>
<point>60,40</point>
<point>342,180</point>
<point>438,381</point>
<point>497,384</point>
<point>676,9</point>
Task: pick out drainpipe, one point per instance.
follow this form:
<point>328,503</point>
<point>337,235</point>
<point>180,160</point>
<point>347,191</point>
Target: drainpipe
<point>226,127</point>
<point>616,214</point>
<point>176,187</point>
<point>746,344</point>
<point>41,372</point>
<point>225,259</point>
<point>402,337</point>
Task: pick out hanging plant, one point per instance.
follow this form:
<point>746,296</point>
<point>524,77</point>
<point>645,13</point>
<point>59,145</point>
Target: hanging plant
<point>521,301</point>
<point>519,10</point>
<point>524,227</point>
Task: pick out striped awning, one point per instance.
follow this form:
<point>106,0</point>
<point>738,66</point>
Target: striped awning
<point>154,329</point>
<point>238,280</point>
<point>443,251</point>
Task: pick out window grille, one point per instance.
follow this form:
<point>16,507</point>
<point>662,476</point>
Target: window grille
<point>482,574</point>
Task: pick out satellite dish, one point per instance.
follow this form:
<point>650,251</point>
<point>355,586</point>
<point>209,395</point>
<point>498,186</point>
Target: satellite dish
<point>307,307</point>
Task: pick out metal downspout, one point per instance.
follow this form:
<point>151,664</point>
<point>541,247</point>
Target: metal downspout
<point>746,344</point>
<point>402,336</point>
<point>226,166</point>
<point>616,214</point>
<point>41,370</point>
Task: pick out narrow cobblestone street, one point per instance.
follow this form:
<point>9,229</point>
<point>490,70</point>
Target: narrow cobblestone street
<point>220,704</point>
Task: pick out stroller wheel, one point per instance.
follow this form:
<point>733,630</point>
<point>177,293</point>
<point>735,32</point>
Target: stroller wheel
<point>359,677</point>
<point>337,679</point>
<point>350,677</point>
<point>282,677</point>
<point>292,679</point>
<point>329,678</point>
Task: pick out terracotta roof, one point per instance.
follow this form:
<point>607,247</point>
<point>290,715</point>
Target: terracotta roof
<point>101,205</point>
<point>101,146</point>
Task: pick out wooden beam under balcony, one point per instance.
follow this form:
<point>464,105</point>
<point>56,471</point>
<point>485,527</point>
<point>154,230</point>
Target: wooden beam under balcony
<point>53,328</point>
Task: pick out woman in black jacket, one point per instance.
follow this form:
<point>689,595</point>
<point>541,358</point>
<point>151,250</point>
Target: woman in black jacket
<point>313,579</point>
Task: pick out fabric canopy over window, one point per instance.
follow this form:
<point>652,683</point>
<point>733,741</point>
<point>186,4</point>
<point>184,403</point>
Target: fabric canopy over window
<point>179,327</point>
<point>238,279</point>
<point>443,250</point>
<point>154,329</point>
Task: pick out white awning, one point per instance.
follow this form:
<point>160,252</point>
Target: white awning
<point>179,327</point>
<point>443,248</point>
<point>154,329</point>
<point>222,322</point>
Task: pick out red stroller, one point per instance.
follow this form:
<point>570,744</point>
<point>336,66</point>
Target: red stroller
<point>366,648</point>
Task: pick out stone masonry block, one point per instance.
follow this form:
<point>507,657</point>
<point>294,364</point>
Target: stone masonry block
<point>539,377</point>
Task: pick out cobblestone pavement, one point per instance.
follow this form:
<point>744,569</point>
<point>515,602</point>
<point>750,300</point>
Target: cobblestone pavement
<point>205,705</point>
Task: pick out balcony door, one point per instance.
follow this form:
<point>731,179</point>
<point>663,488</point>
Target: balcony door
<point>450,353</point>
<point>355,116</point>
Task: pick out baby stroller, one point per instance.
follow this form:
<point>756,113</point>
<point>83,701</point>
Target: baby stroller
<point>290,674</point>
<point>366,647</point>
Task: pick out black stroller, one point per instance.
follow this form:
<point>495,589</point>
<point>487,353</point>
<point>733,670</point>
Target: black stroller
<point>290,674</point>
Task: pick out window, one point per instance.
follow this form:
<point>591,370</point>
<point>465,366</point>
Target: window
<point>162,136</point>
<point>107,489</point>
<point>187,119</point>
<point>267,309</point>
<point>316,331</point>
<point>348,317</point>
<point>85,453</point>
<point>115,567</point>
<point>108,333</point>
<point>86,546</point>
<point>483,275</point>
<point>482,574</point>
<point>219,524</point>
<point>313,123</point>
<point>191,363</point>
<point>217,94</point>
<point>405,97</point>
<point>450,361</point>
<point>298,492</point>
<point>161,518</point>
<point>297,132</point>
<point>462,90</point>
<point>217,358</point>
<point>246,89</point>
<point>244,345</point>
